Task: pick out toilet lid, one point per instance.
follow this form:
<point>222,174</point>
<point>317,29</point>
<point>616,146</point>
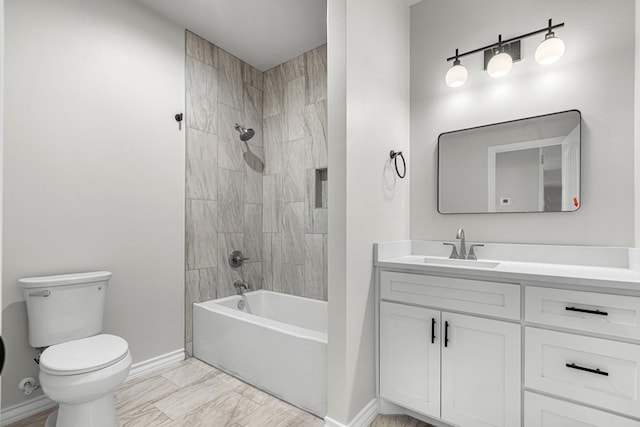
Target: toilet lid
<point>83,355</point>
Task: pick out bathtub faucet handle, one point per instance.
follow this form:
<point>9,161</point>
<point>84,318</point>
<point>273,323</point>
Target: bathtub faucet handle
<point>236,259</point>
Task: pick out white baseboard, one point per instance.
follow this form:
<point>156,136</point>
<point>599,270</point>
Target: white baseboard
<point>26,409</point>
<point>38,404</point>
<point>150,365</point>
<point>364,418</point>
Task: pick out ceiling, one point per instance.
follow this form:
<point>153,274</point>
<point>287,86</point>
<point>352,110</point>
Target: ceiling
<point>263,33</point>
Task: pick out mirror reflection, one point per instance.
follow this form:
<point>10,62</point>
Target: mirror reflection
<point>527,165</point>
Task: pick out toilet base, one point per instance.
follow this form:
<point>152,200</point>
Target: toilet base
<point>97,413</point>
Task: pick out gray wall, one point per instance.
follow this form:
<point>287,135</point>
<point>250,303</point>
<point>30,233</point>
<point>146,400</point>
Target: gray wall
<point>223,174</point>
<point>294,222</point>
<point>583,79</point>
<point>94,167</point>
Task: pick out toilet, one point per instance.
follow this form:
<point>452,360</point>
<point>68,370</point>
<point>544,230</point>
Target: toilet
<point>80,367</point>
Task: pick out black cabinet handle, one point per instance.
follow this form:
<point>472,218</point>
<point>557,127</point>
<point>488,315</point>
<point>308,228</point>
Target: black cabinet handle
<point>583,310</point>
<point>433,330</point>
<point>446,333</point>
<point>1,354</point>
<point>582,368</point>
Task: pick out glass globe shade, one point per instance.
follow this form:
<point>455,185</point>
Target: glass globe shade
<point>456,76</point>
<point>549,51</point>
<point>500,65</point>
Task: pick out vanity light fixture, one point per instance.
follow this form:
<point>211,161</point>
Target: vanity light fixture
<point>501,62</point>
<point>551,49</point>
<point>457,75</point>
<point>499,57</point>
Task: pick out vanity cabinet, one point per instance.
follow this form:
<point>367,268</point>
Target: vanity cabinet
<point>480,350</point>
<point>461,368</point>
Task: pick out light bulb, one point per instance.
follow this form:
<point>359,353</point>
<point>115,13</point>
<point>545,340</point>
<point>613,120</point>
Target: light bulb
<point>500,65</point>
<point>457,75</point>
<point>550,50</point>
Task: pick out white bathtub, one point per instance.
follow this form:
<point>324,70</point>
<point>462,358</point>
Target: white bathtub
<point>278,345</point>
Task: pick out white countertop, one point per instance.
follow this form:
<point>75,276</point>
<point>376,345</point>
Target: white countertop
<point>613,268</point>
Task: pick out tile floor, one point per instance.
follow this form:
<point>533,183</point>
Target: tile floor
<point>192,393</point>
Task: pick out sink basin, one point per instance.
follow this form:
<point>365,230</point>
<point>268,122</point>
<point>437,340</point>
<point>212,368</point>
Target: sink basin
<point>461,262</point>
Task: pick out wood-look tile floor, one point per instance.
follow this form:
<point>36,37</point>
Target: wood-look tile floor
<point>192,393</point>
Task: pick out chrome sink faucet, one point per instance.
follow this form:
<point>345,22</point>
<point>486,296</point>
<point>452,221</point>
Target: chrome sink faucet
<point>463,248</point>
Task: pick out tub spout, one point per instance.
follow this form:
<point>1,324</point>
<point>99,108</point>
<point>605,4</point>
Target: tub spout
<point>241,287</point>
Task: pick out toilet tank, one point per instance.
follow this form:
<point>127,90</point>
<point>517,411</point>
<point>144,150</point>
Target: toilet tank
<point>64,307</point>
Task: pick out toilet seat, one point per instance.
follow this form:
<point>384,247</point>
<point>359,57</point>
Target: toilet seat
<point>83,355</point>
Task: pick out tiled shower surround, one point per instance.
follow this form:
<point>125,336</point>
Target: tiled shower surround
<point>266,197</point>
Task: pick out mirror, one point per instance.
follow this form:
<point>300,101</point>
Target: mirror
<point>526,165</point>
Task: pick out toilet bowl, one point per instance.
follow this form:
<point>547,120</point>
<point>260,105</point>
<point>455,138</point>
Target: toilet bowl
<point>81,375</point>
<point>80,367</point>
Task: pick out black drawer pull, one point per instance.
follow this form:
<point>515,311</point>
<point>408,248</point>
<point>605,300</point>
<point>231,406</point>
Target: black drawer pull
<point>446,333</point>
<point>582,368</point>
<point>583,310</point>
<point>433,330</point>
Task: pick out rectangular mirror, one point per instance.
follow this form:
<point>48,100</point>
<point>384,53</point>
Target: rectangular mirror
<point>526,165</point>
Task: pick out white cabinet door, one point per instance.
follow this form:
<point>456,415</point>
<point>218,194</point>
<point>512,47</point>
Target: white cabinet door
<point>481,384</point>
<point>410,357</point>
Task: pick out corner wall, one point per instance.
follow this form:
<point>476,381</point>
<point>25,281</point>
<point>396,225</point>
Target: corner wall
<point>94,167</point>
<point>368,111</point>
<point>583,79</point>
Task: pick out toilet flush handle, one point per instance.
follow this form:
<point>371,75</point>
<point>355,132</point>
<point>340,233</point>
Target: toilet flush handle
<point>44,293</point>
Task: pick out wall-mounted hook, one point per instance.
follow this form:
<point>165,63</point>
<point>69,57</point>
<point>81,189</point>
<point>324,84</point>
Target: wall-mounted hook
<point>394,156</point>
<point>179,118</point>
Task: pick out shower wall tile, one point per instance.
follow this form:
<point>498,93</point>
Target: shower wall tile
<point>202,95</point>
<point>230,79</point>
<point>252,116</point>
<point>273,92</point>
<point>230,200</point>
<point>201,165</point>
<point>200,286</point>
<point>253,232</point>
<point>294,68</point>
<point>253,169</point>
<point>320,220</point>
<point>295,108</point>
<point>272,203</point>
<point>292,279</point>
<point>316,128</point>
<point>314,267</point>
<point>316,63</point>
<point>295,161</point>
<point>293,233</point>
<point>230,147</point>
<point>252,273</point>
<point>202,50</point>
<point>252,76</point>
<point>273,139</point>
<point>201,234</point>
<point>272,261</point>
<point>227,243</point>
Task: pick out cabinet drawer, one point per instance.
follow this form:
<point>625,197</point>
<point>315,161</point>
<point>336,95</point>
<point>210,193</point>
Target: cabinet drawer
<point>542,411</point>
<point>596,371</point>
<point>472,296</point>
<point>616,315</point>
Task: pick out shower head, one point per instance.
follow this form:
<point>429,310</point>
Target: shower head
<point>245,134</point>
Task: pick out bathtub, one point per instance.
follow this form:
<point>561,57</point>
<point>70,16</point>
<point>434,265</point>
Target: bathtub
<point>276,342</point>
